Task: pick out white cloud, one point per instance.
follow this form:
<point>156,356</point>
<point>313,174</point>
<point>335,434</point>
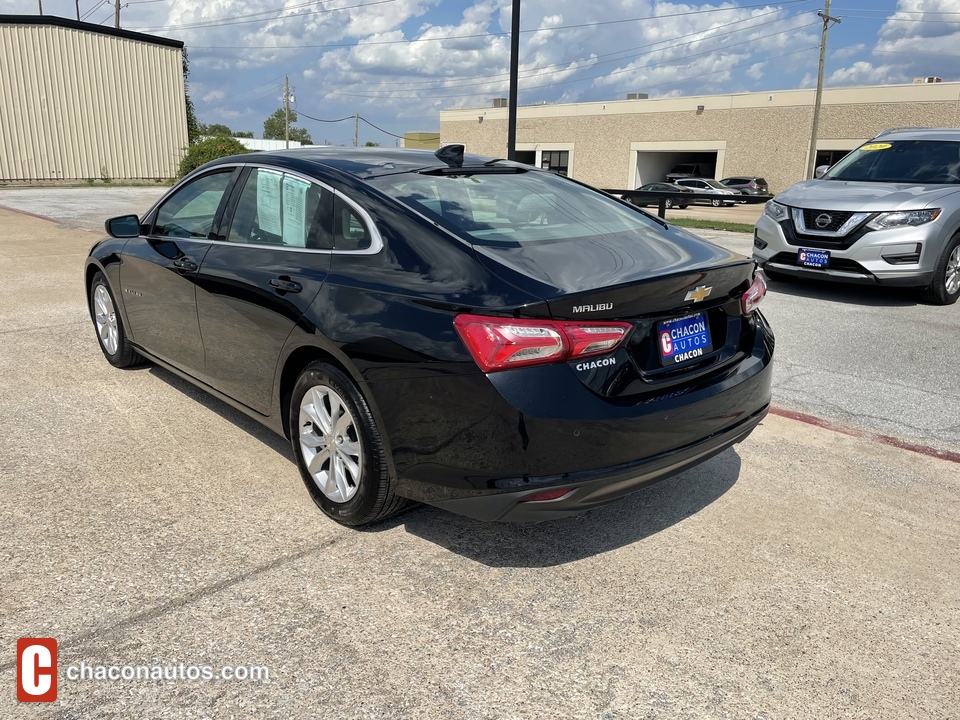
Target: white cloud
<point>214,95</point>
<point>849,51</point>
<point>864,73</point>
<point>755,71</point>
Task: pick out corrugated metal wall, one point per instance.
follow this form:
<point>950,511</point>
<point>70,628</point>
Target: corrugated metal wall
<point>76,104</point>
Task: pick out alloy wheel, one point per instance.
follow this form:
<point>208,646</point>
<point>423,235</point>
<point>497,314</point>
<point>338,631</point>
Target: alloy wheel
<point>105,317</point>
<point>330,443</point>
<point>952,278</point>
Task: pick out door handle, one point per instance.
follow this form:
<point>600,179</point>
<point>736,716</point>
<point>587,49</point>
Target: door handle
<point>285,284</point>
<point>184,264</point>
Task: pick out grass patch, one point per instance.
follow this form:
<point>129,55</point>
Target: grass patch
<point>710,224</point>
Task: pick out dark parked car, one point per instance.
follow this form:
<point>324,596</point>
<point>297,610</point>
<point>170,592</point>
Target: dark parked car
<point>471,333</point>
<point>688,170</point>
<point>676,200</point>
<point>747,185</point>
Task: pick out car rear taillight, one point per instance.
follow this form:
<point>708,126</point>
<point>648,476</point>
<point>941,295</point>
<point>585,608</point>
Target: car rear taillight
<point>752,297</point>
<point>547,495</point>
<point>498,343</point>
<point>753,185</point>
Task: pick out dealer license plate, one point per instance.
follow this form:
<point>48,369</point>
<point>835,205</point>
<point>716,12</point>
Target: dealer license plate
<point>813,258</point>
<point>684,339</point>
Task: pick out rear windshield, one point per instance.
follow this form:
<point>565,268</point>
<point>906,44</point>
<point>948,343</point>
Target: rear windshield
<point>714,184</point>
<point>901,161</point>
<point>512,208</point>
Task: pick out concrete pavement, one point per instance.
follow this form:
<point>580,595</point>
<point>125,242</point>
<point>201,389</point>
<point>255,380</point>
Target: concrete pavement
<point>807,573</point>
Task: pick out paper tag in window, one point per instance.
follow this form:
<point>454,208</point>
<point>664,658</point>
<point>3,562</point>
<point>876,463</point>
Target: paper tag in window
<point>295,211</point>
<point>268,202</point>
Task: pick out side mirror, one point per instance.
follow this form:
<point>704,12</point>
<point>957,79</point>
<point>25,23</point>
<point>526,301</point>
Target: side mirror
<point>125,226</point>
<point>819,172</point>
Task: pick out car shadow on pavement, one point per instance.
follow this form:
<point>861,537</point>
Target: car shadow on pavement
<point>224,410</point>
<point>870,295</point>
<point>555,542</point>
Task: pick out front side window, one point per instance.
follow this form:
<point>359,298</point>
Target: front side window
<point>275,208</point>
<point>349,230</point>
<point>512,207</point>
<point>901,161</point>
<point>190,212</point>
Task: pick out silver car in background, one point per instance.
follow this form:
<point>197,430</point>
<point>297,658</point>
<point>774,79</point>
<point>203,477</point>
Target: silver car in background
<point>711,187</point>
<point>888,213</point>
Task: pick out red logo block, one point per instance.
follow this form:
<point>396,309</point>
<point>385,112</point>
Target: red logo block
<point>36,669</point>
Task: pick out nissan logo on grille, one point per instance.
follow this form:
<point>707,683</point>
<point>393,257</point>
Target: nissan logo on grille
<point>823,220</point>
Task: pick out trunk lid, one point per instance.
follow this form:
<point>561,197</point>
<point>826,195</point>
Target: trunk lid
<point>653,281</point>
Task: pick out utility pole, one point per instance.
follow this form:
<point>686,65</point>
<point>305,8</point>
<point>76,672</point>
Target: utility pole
<point>286,110</point>
<point>827,20</point>
<point>356,129</point>
<point>116,15</point>
<point>514,70</point>
<point>40,3</point>
<point>78,10</point>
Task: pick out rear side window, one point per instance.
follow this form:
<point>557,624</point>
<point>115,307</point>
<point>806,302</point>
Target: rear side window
<point>275,208</point>
<point>512,207</point>
<point>761,181</point>
<point>349,230</point>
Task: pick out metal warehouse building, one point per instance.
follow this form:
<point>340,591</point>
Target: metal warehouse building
<point>80,101</point>
<point>624,144</point>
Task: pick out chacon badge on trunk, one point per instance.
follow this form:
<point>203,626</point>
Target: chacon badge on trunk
<point>699,294</point>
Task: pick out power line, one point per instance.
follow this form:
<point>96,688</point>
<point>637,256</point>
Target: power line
<point>590,77</point>
<point>705,35</point>
<point>237,20</point>
<point>355,117</point>
<point>448,37</point>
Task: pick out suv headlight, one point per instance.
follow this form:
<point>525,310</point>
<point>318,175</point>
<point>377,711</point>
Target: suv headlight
<point>904,218</point>
<point>775,210</point>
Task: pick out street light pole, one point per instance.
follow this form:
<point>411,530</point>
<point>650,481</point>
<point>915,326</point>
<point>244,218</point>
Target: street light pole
<point>514,70</point>
<point>812,155</point>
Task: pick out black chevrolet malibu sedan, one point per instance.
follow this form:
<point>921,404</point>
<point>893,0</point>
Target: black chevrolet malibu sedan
<point>471,333</point>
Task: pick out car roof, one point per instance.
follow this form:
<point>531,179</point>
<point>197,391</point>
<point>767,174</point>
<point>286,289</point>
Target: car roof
<point>363,163</point>
<point>914,133</point>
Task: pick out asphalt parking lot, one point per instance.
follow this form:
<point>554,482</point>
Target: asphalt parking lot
<point>809,572</point>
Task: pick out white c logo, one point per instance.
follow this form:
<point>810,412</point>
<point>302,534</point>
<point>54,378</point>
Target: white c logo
<point>33,682</point>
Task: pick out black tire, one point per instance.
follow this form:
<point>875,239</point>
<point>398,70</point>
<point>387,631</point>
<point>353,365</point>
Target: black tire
<point>124,355</point>
<point>936,292</point>
<point>716,202</point>
<point>668,203</point>
<point>682,207</point>
<point>372,497</point>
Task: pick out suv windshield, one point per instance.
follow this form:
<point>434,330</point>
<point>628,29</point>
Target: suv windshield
<point>510,207</point>
<point>901,161</point>
<point>715,184</point>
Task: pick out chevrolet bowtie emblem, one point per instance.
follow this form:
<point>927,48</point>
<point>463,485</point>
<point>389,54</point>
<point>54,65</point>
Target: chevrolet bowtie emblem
<point>699,294</point>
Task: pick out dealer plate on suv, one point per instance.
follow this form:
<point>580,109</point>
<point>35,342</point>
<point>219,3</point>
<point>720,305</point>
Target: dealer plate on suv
<point>683,339</point>
<point>813,258</point>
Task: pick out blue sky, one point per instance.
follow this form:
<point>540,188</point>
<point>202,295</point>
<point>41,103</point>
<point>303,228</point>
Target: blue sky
<point>399,62</point>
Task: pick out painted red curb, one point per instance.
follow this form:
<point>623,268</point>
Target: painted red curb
<point>946,455</point>
<point>24,212</point>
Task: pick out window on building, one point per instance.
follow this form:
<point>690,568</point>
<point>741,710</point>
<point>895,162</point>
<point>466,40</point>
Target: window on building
<point>556,161</point>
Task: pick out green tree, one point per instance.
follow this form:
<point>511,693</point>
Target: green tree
<point>273,128</point>
<point>210,149</point>
<point>243,133</point>
<point>371,143</point>
<point>193,127</point>
<point>217,129</point>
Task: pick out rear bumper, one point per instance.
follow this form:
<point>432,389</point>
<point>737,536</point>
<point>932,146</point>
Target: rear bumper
<point>596,488</point>
<point>478,444</point>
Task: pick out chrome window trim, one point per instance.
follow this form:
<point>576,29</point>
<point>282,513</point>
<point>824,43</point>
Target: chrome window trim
<point>376,240</point>
<point>853,221</point>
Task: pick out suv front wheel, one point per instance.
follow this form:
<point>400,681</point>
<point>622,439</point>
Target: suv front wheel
<point>944,289</point>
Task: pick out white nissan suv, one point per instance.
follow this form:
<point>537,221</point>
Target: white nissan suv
<point>888,213</point>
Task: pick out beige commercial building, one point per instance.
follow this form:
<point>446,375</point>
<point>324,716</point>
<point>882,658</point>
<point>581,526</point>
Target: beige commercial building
<point>83,102</point>
<point>623,144</point>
